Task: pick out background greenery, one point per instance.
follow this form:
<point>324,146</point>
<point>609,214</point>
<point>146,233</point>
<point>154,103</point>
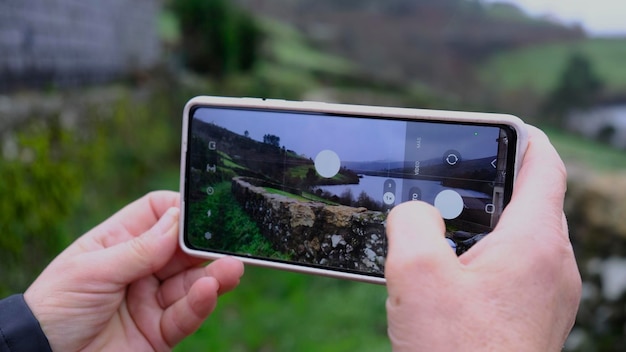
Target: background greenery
<point>510,70</point>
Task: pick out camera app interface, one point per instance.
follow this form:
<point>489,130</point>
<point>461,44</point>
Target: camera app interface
<point>316,189</point>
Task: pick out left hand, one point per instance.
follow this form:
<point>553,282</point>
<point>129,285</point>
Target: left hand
<point>125,285</point>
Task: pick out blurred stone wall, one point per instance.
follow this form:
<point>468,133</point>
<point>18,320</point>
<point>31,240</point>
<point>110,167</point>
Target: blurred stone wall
<point>596,211</point>
<point>47,43</point>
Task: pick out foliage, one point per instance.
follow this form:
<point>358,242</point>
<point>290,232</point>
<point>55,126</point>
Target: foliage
<point>272,140</point>
<point>578,87</point>
<point>198,160</point>
<point>227,227</point>
<point>289,48</point>
<point>217,37</point>
<point>538,67</point>
<point>507,11</point>
<point>288,66</point>
<point>587,154</point>
<point>59,179</point>
<point>41,185</point>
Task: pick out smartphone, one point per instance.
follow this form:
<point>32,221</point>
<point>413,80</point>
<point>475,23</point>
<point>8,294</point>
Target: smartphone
<point>307,186</point>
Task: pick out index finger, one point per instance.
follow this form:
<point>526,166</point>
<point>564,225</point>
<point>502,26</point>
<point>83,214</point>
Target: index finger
<point>418,252</point>
<point>135,218</point>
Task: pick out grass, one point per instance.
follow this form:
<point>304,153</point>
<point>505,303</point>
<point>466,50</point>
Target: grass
<point>290,67</point>
<point>289,48</point>
<point>231,228</point>
<point>232,165</point>
<point>280,311</point>
<point>299,171</point>
<point>538,68</point>
<point>302,170</point>
<point>306,197</point>
<point>286,194</point>
<point>509,12</point>
<point>577,151</point>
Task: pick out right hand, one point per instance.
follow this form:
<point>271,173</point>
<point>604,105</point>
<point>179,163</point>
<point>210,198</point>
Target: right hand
<point>518,289</point>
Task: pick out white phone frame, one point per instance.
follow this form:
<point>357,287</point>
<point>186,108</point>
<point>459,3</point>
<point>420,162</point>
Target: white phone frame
<point>331,108</point>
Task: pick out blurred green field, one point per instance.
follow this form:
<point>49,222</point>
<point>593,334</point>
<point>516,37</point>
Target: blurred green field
<point>538,68</point>
<point>583,153</point>
<point>279,311</point>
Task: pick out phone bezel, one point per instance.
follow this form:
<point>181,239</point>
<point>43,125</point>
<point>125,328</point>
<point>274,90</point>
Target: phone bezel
<point>332,109</point>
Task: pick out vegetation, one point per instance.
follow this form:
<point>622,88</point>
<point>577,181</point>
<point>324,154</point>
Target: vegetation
<point>578,88</point>
<point>586,154</point>
<point>59,180</point>
<point>305,197</point>
<point>280,311</point>
<point>219,223</point>
<point>539,67</point>
<point>217,37</point>
<point>41,186</point>
<point>289,48</point>
<point>272,140</point>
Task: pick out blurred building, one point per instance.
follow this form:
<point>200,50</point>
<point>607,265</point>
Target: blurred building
<point>606,123</point>
<point>47,43</point>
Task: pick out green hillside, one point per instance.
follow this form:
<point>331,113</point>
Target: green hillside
<point>538,67</point>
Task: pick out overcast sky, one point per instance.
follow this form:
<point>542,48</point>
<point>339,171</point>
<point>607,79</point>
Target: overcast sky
<point>351,139</point>
<point>598,17</point>
<point>355,139</point>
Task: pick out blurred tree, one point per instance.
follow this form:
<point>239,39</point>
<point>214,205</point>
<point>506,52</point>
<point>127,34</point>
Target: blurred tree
<point>217,37</point>
<point>311,177</point>
<point>578,87</point>
<point>272,140</point>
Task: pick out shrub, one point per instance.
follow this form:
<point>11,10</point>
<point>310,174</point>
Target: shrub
<point>217,37</point>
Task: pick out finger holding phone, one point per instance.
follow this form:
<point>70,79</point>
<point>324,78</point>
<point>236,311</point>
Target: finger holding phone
<point>517,289</point>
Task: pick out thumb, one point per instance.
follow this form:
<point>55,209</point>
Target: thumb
<point>417,249</point>
<point>420,264</point>
<point>142,255</point>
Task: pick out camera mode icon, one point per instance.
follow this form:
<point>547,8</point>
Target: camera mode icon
<point>452,157</point>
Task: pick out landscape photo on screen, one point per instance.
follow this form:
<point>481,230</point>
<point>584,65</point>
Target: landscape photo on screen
<point>316,188</point>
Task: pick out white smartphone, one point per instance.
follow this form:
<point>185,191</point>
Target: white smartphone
<point>307,186</point>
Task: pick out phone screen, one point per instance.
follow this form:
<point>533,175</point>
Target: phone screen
<point>314,189</point>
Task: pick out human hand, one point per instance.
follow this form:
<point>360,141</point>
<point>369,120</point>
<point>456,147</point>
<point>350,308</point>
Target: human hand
<point>518,289</point>
<point>125,285</point>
